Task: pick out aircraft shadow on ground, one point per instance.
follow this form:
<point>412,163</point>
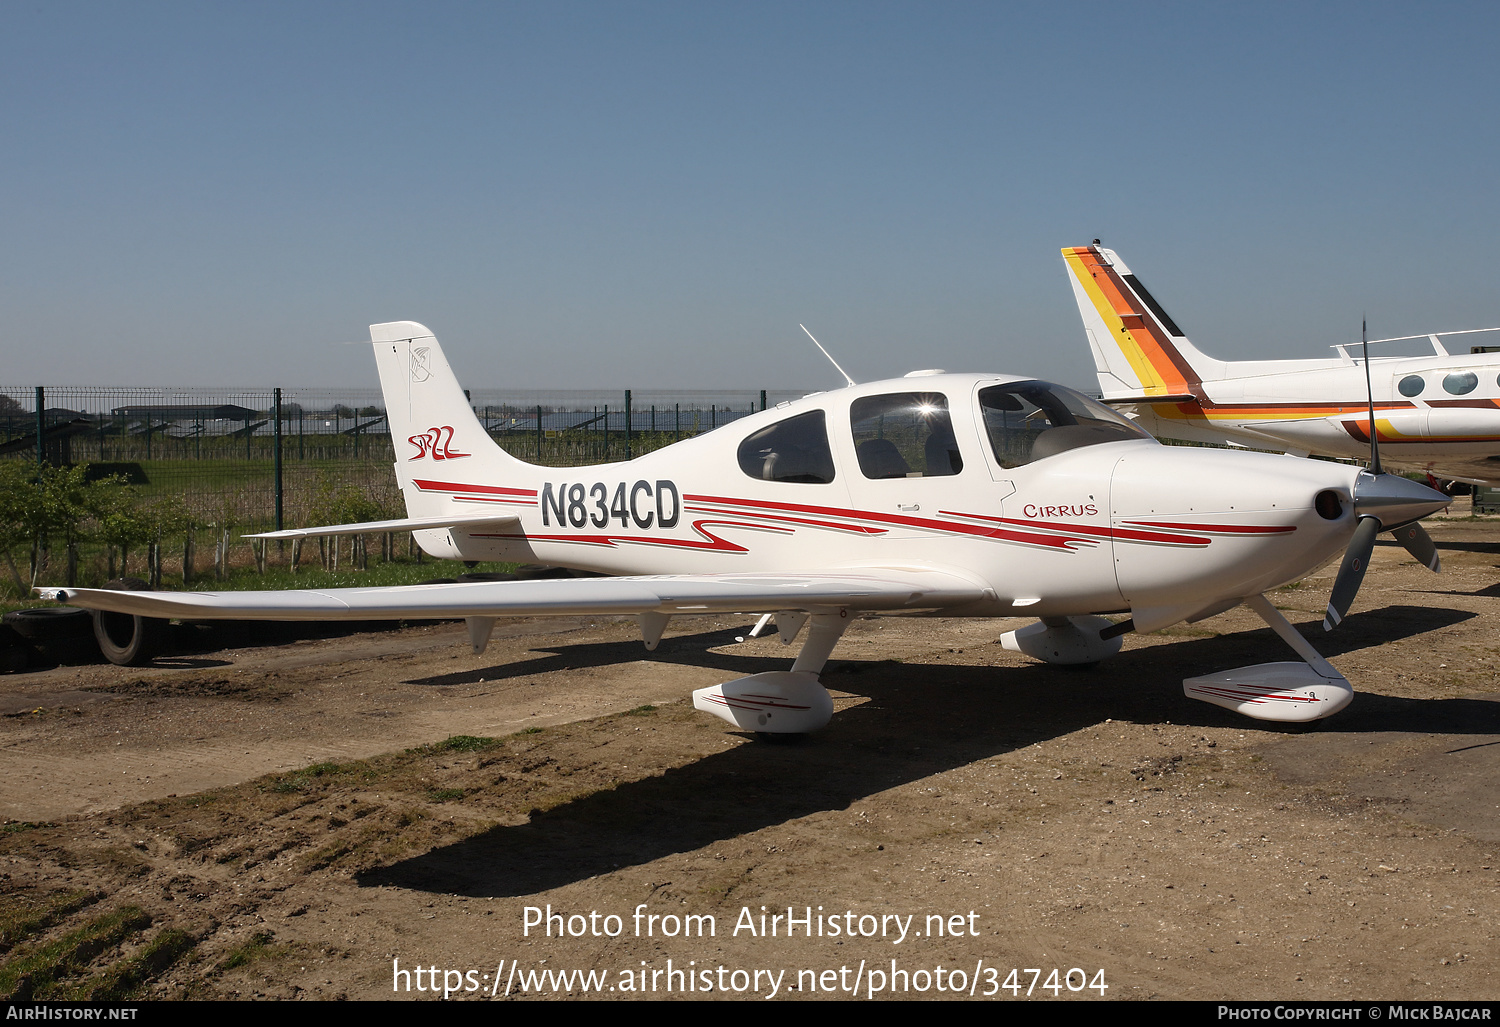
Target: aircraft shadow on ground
<point>921,719</point>
<point>1488,592</point>
<point>1453,546</point>
<point>695,650</point>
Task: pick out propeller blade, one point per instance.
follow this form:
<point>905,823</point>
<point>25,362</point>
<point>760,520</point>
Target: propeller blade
<point>1415,540</point>
<point>1351,571</point>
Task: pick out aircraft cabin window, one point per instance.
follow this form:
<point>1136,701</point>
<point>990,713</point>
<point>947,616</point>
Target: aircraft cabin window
<point>794,450</point>
<point>1412,385</point>
<point>904,435</point>
<point>1031,421</point>
<point>1460,382</point>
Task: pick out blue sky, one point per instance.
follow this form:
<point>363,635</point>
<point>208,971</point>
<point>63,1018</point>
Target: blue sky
<point>646,195</point>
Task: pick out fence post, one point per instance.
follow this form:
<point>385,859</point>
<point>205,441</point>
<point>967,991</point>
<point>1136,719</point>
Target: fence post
<point>41,398</point>
<point>627,424</point>
<point>539,433</point>
<point>276,459</point>
<point>762,399</point>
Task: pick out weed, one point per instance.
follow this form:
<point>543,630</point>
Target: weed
<point>38,971</point>
<point>24,916</point>
<point>465,743</point>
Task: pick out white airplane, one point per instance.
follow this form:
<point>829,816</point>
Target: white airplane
<point>1438,413</point>
<point>961,494</point>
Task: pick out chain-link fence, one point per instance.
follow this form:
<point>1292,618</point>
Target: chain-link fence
<point>228,462</point>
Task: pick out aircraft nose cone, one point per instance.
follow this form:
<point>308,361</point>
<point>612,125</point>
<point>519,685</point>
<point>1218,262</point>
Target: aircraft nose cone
<point>1394,500</point>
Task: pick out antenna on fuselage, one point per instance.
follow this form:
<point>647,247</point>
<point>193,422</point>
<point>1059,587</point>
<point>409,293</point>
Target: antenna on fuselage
<point>832,361</point>
<point>1370,399</point>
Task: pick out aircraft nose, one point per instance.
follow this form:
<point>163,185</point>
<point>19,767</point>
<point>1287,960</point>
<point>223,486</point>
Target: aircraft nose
<point>1393,500</point>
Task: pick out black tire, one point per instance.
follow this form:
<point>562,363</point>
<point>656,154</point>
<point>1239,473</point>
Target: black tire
<point>125,639</point>
<point>48,623</point>
<point>14,658</point>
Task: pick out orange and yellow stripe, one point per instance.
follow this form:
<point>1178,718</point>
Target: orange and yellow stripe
<point>1156,362</point>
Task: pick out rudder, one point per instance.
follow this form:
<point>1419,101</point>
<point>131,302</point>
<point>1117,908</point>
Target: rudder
<point>436,437</point>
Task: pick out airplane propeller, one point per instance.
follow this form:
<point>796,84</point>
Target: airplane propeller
<point>1381,502</point>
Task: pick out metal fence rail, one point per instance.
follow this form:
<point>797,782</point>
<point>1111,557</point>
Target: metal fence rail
<point>251,459</point>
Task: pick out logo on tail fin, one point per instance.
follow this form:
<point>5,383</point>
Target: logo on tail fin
<point>420,372</point>
<point>434,442</point>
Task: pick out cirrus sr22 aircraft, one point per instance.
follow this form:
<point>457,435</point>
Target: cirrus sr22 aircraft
<point>960,494</point>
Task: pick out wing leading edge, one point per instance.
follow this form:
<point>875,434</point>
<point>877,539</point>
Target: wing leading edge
<point>665,594</point>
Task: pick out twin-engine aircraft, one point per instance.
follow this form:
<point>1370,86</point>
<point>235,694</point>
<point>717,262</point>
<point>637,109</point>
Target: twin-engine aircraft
<point>1438,413</point>
<point>959,494</point>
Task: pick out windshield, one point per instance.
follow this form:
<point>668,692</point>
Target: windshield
<point>1030,421</point>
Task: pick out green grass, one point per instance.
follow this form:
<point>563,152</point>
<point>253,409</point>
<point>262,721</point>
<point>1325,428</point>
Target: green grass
<point>301,780</point>
<point>397,572</point>
<point>39,972</point>
<point>126,978</point>
<point>465,743</point>
<point>258,947</point>
<point>22,916</point>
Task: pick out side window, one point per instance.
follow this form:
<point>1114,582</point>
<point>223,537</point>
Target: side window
<point>792,450</point>
<point>904,435</point>
<point>1460,383</point>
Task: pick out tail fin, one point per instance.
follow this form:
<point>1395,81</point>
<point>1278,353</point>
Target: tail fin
<point>1138,351</point>
<point>439,443</point>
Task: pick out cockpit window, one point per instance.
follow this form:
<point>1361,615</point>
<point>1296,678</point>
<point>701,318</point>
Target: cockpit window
<point>794,450</point>
<point>1031,421</point>
<point>904,435</point>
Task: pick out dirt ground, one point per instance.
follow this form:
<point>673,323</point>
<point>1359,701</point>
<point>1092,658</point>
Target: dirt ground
<point>317,819</point>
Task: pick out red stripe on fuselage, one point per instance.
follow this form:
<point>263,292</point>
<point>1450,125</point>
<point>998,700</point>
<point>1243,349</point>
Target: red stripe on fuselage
<point>427,485</point>
<point>1024,538</point>
<point>713,544</point>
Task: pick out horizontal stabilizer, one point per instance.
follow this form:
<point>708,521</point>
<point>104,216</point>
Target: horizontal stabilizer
<point>452,520</point>
<point>1141,397</point>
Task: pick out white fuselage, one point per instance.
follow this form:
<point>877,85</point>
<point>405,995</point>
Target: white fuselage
<point>1108,527</point>
<point>1438,413</point>
<point>1446,422</point>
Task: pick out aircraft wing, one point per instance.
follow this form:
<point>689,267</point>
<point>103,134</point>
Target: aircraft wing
<point>865,589</point>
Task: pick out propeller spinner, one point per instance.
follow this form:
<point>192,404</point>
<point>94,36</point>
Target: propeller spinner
<point>1382,502</point>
